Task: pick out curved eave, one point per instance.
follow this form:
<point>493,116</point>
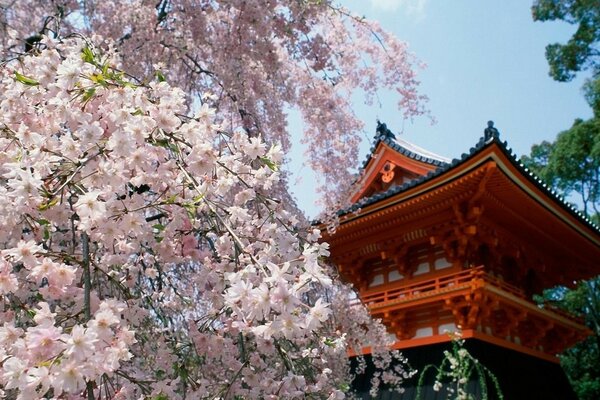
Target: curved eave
<point>494,150</point>
<point>385,152</point>
<point>384,135</point>
<point>411,153</point>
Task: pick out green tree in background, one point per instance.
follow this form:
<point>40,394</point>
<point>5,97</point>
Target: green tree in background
<point>537,161</point>
<point>582,51</point>
<point>572,164</point>
<point>582,362</point>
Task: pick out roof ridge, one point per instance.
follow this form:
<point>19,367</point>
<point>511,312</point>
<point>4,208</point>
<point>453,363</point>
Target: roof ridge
<point>404,147</point>
<point>491,135</point>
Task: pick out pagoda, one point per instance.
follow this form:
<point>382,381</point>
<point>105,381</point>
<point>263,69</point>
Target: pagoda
<point>435,245</point>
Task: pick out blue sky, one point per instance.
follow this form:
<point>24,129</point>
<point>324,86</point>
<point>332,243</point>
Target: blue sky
<point>485,60</point>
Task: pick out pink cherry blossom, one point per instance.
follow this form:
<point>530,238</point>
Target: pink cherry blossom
<point>8,281</point>
<point>80,344</point>
<point>147,242</point>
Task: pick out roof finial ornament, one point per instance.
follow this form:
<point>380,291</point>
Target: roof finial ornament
<point>490,132</point>
<point>383,131</point>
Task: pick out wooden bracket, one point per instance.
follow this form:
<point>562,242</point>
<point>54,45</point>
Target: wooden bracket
<point>490,168</point>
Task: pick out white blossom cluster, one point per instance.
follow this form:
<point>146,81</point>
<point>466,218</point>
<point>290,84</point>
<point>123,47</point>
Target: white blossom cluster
<point>141,252</point>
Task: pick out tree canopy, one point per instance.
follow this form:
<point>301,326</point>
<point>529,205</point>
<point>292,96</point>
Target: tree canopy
<point>582,51</point>
<point>147,247</point>
<point>249,60</point>
<point>582,362</point>
<point>571,163</point>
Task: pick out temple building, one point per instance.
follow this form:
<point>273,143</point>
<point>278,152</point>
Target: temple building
<point>435,245</point>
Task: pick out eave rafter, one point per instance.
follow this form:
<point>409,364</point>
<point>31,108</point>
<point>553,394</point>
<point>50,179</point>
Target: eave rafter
<point>550,238</point>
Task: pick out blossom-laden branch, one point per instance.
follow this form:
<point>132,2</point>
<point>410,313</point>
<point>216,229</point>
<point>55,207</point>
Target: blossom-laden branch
<point>258,59</point>
<point>141,251</point>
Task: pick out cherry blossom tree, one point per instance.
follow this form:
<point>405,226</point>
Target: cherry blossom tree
<point>146,246</point>
<point>143,254</point>
<point>257,59</point>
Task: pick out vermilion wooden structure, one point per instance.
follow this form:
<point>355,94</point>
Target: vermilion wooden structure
<point>434,245</point>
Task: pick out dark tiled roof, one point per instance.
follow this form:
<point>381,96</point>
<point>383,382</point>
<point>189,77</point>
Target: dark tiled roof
<point>491,136</point>
<point>386,136</point>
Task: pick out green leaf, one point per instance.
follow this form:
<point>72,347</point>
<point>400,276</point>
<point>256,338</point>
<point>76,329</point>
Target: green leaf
<point>99,79</point>
<point>274,167</point>
<point>159,227</point>
<point>198,199</point>
<point>159,76</point>
<point>87,55</point>
<point>166,144</point>
<point>170,200</point>
<point>191,209</point>
<point>43,222</point>
<point>344,387</point>
<point>47,205</point>
<point>25,80</point>
<point>161,143</point>
<point>89,94</point>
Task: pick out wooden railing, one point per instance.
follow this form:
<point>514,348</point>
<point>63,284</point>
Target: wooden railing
<point>444,283</point>
<point>501,284</point>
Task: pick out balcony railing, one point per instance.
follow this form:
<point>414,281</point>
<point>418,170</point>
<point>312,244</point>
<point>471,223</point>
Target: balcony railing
<point>441,284</point>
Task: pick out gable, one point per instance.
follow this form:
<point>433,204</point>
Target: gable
<point>393,162</point>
